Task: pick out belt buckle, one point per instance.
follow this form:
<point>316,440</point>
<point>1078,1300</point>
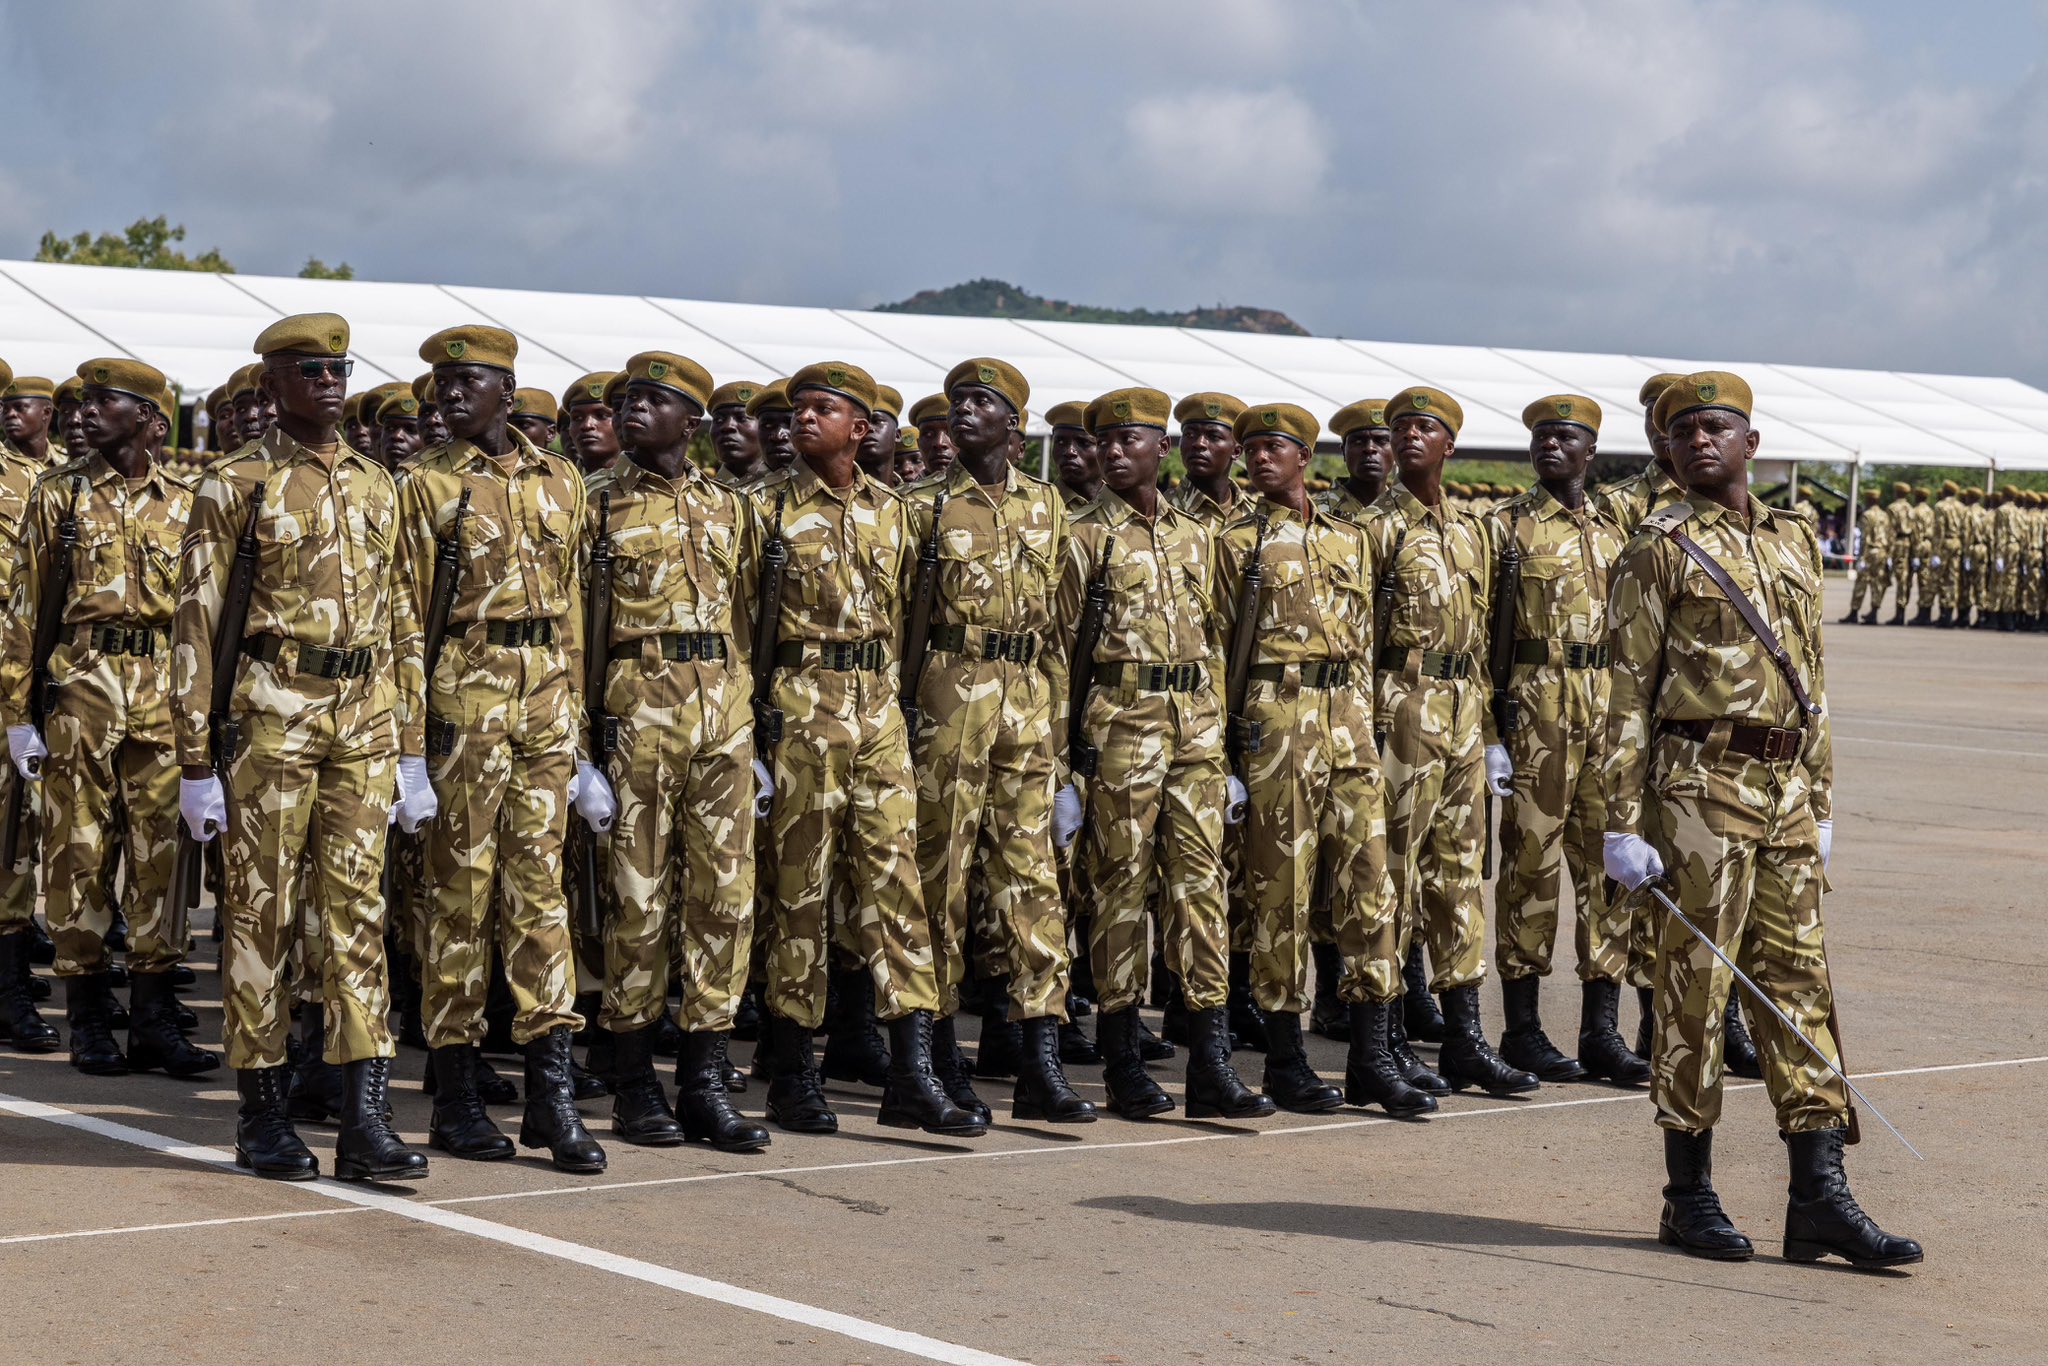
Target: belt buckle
<point>1184,678</point>
<point>330,660</point>
<point>992,645</point>
<point>1780,744</point>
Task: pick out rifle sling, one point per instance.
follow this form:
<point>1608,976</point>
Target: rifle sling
<point>1750,616</point>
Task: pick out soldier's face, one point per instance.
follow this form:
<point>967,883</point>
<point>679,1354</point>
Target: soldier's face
<point>471,399</point>
<point>591,434</point>
<point>935,444</point>
<point>826,423</point>
<point>317,397</point>
<point>1421,443</point>
<point>658,418</point>
<point>401,440</point>
<point>1366,453</point>
<point>227,433</point>
<point>909,466</point>
<point>1073,450</point>
<point>735,437</point>
<point>254,414</point>
<point>111,418</point>
<point>1560,450</point>
<point>1208,449</point>
<point>1275,463</point>
<point>980,420</point>
<point>26,417</point>
<point>777,446</point>
<point>878,447</point>
<point>1712,447</point>
<point>1130,456</point>
<point>536,429</point>
<point>71,421</point>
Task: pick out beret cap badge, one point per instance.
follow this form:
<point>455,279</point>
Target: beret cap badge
<point>1213,408</point>
<point>457,348</point>
<point>657,369</point>
<point>1122,407</point>
<point>986,374</point>
<point>1708,391</point>
<point>337,342</point>
<point>1271,417</point>
<point>1421,401</point>
<point>101,374</point>
<point>835,376</point>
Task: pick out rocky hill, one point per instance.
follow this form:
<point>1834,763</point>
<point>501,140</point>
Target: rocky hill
<point>998,299</point>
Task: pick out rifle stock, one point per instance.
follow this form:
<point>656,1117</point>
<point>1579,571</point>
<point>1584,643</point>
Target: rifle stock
<point>1242,737</point>
<point>917,627</point>
<point>767,630</point>
<point>1500,660</point>
<point>56,589</point>
<point>604,733</point>
<point>1082,757</point>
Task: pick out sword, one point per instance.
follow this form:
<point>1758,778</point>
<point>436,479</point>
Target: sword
<point>1772,1006</point>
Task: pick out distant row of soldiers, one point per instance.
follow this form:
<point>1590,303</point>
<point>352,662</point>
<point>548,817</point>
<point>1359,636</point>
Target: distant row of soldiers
<point>1967,558</point>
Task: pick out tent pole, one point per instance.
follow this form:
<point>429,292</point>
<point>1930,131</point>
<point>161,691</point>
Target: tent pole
<point>1849,518</point>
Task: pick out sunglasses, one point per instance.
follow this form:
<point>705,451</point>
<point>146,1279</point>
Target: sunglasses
<point>313,369</point>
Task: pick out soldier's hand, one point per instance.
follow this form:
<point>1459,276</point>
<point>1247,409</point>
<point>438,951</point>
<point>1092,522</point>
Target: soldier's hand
<point>1234,801</point>
<point>204,805</point>
<point>417,803</point>
<point>1500,771</point>
<point>592,796</point>
<point>1066,815</point>
<point>1629,859</point>
<point>27,750</point>
<point>764,791</point>
<point>1827,839</point>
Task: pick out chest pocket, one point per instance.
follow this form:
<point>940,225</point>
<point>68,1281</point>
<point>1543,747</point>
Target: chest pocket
<point>1704,613</point>
<point>813,556</point>
<point>1284,581</point>
<point>1035,563</point>
<point>714,555</point>
<point>100,563</point>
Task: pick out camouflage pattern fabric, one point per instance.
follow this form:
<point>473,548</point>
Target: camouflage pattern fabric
<point>1185,498</point>
<point>1626,502</point>
<point>1905,553</point>
<point>1950,521</point>
<point>1339,501</point>
<point>2006,557</point>
<point>1927,579</point>
<point>18,475</point>
<point>1873,578</point>
<point>1978,530</point>
<point>2034,559</point>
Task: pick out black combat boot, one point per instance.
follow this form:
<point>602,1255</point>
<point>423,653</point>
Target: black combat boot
<point>34,989</point>
<point>88,1007</point>
<point>1947,620</point>
<point>1822,1217</point>
<point>459,1125</point>
<point>1413,1069</point>
<point>734,1079</point>
<point>1289,1080</point>
<point>318,1090</point>
<point>854,1050</point>
<point>1042,1089</point>
<point>1523,1043</point>
<point>491,1088</point>
<point>1129,1088</point>
<point>1924,617</point>
<point>795,1101</point>
<point>1420,1019</point>
<point>1898,617</point>
<point>265,1142</point>
<point>949,1065</point>
<point>1081,991</point>
<point>1738,1052</point>
<point>640,1112</point>
<point>1247,1022</point>
<point>600,1056</point>
<point>703,1103</point>
<point>406,996</point>
<point>1646,1006</point>
<point>1849,620</point>
<point>1214,1090</point>
<point>1601,1050</point>
<point>1001,1050</point>
<point>368,1148</point>
<point>1371,1076</point>
<point>1870,617</point>
<point>1693,1220</point>
<point>21,1024</point>
<point>913,1099</point>
<point>1075,1045</point>
<point>1329,1016</point>
<point>1173,1021</point>
<point>589,1085</point>
<point>665,1037</point>
<point>42,950</point>
<point>750,1022</point>
<point>2008,621</point>
<point>1466,1058</point>
<point>550,1120</point>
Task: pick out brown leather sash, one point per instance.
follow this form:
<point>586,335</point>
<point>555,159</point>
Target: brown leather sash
<point>1747,610</point>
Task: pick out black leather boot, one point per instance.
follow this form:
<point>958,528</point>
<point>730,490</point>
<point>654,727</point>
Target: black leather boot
<point>1075,1045</point>
<point>1081,978</point>
<point>1042,1088</point>
<point>1947,621</point>
<point>913,1099</point>
<point>1466,1058</point>
<point>550,1120</point>
<point>1000,1052</point>
<point>406,997</point>
<point>1601,1050</point>
<point>734,1079</point>
<point>1922,617</point>
<point>949,1065</point>
<point>1420,1019</point>
<point>1247,1022</point>
<point>703,1103</point>
<point>600,1056</point>
<point>1870,617</point>
<point>1822,1218</point>
<point>1128,1087</point>
<point>1329,1016</point>
<point>21,1024</point>
<point>265,1142</point>
<point>1371,1076</point>
<point>1523,1043</point>
<point>1738,1053</point>
<point>34,989</point>
<point>1152,1048</point>
<point>795,1101</point>
<point>492,1088</point>
<point>1898,617</point>
<point>1412,1068</point>
<point>750,1022</point>
<point>1693,1221</point>
<point>368,1148</point>
<point>640,1112</point>
<point>1646,1016</point>
<point>318,1090</point>
<point>854,1050</point>
<point>88,1006</point>
<point>1214,1090</point>
<point>1849,620</point>
<point>1289,1080</point>
<point>459,1125</point>
<point>1173,1020</point>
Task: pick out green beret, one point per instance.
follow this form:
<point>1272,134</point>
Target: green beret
<point>1654,387</point>
<point>930,407</point>
<point>1576,409</point>
<point>1430,403</point>
<point>1220,408</point>
<point>1366,415</point>
<point>671,371</point>
<point>1068,414</point>
<point>471,344</point>
<point>125,376</point>
<point>734,393</point>
<point>535,403</point>
<point>398,406</point>
<point>998,376</point>
<point>243,381</point>
<point>1706,389</point>
<point>1295,423</point>
<point>772,397</point>
<point>587,389</point>
<point>1129,408</point>
<point>888,400</point>
<point>28,386</point>
<point>69,388</point>
<point>837,377</point>
<point>318,334</point>
<point>423,388</point>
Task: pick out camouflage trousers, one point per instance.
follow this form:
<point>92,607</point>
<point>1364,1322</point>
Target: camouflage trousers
<point>1741,851</point>
<point>1433,758</point>
<point>1908,573</point>
<point>845,811</point>
<point>1315,840</point>
<point>1550,829</point>
<point>1946,577</point>
<point>681,857</point>
<point>1157,794</point>
<point>501,750</point>
<point>18,884</point>
<point>309,955</point>
<point>983,752</point>
<point>110,785</point>
<point>1873,579</point>
<point>1977,581</point>
<point>2033,597</point>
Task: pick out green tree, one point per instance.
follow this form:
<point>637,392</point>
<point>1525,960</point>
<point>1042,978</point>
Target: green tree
<point>317,269</point>
<point>145,244</point>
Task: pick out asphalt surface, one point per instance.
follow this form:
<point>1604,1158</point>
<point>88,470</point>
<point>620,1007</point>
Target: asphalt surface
<point>1501,1228</point>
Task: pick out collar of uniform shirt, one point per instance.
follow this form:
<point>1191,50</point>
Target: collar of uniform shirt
<point>1544,503</point>
<point>282,449</point>
<point>630,472</point>
<point>804,480</point>
<point>1709,512</point>
<point>520,452</point>
<point>1413,508</point>
<point>1121,513</point>
<point>98,470</point>
<point>959,480</point>
<point>1276,511</point>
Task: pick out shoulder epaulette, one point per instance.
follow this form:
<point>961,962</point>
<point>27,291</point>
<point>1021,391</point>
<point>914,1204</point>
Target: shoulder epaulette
<point>1668,518</point>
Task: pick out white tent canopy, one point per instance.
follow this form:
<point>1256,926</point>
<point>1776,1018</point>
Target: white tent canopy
<point>197,328</point>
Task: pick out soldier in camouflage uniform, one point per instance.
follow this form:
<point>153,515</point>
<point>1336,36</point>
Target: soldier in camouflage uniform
<point>844,794</point>
<point>590,434</point>
<point>1553,717</point>
<point>931,418</point>
<point>1431,713</point>
<point>1154,722</point>
<point>983,741</point>
<point>2002,558</point>
<point>877,457</point>
<point>1627,502</point>
<point>108,771</point>
<point>1718,772</point>
<point>1945,554</point>
<point>1073,454</point>
<point>497,721</point>
<point>770,408</point>
<point>1973,605</point>
<point>1873,558</point>
<point>1905,556</point>
<point>28,404</point>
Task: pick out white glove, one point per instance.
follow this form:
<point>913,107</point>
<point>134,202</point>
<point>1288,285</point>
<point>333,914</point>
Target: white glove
<point>1999,564</point>
<point>1234,801</point>
<point>204,805</point>
<point>416,802</point>
<point>1934,561</point>
<point>1629,859</point>
<point>27,750</point>
<point>1066,815</point>
<point>1500,771</point>
<point>1827,840</point>
<point>592,797</point>
<point>764,791</point>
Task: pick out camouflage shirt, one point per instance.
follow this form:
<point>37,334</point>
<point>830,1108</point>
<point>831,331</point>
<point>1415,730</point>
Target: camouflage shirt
<point>686,554</point>
<point>1627,501</point>
<point>1949,519</point>
<point>1340,501</point>
<point>18,474</point>
<point>1185,497</point>
<point>999,550</point>
<point>1874,532</point>
<point>1161,579</point>
<point>1566,555</point>
<point>849,553</point>
<point>1681,651</point>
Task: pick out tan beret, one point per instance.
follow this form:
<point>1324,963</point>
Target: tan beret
<point>471,344</point>
<point>316,334</point>
<point>1129,408</point>
<point>125,376</point>
<point>772,397</point>
<point>587,389</point>
<point>1573,408</point>
<point>352,407</point>
<point>614,387</point>
<point>215,399</point>
<point>836,376</point>
<point>1654,386</point>
<point>1208,408</point>
<point>375,396</point>
<point>930,407</point>
<point>1278,419</point>
<point>69,388</point>
<point>423,388</point>
<point>1429,402</point>
<point>734,393</point>
<point>243,381</point>
<point>534,403</point>
<point>1705,389</point>
<point>670,371</point>
<point>889,400</point>
<point>1068,414</point>
<point>906,439</point>
<point>399,406</point>
<point>6,374</point>
<point>999,376</point>
<point>1366,415</point>
<point>29,386</point>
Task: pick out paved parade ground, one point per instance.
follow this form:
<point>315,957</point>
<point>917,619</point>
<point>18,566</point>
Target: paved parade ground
<point>1499,1229</point>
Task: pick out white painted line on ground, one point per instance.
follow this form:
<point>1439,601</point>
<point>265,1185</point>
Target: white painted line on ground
<point>1958,749</point>
<point>792,1311</point>
<point>185,1223</point>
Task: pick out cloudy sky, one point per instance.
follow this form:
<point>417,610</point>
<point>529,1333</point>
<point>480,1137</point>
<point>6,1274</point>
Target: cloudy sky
<point>1802,180</point>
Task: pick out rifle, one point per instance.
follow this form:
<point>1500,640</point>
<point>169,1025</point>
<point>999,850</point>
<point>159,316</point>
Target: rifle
<point>1243,737</point>
<point>49,620</point>
<point>1082,757</point>
<point>1500,662</point>
<point>604,728</point>
<point>767,629</point>
<point>223,732</point>
<point>447,578</point>
<point>917,626</point>
<point>1383,595</point>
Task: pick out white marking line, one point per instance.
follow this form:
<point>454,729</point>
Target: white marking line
<point>187,1223</point>
<point>1958,749</point>
<point>861,1330</point>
